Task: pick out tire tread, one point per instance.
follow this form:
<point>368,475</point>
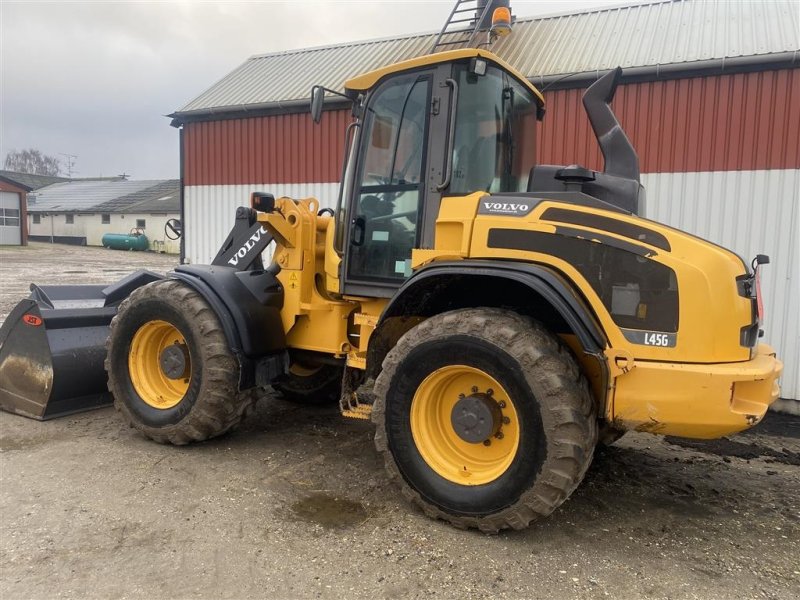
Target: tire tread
<point>220,406</point>
<point>568,411</point>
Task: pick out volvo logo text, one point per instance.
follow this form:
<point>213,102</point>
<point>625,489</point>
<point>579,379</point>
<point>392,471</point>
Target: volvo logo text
<point>248,245</point>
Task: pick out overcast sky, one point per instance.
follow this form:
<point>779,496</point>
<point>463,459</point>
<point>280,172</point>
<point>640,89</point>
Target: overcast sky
<point>95,79</point>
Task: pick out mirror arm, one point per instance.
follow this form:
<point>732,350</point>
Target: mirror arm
<point>334,92</point>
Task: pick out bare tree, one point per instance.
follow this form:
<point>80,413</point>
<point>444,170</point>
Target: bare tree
<point>33,162</point>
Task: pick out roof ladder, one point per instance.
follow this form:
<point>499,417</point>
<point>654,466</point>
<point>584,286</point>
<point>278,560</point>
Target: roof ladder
<point>455,24</point>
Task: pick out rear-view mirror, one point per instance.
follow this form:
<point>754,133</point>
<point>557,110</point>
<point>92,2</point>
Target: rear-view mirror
<point>317,99</point>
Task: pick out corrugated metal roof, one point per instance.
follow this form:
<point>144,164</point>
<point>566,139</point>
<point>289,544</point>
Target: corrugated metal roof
<point>83,196</point>
<point>641,35</point>
<point>32,182</point>
<point>164,197</point>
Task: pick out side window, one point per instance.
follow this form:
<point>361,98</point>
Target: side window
<point>37,218</point>
<point>388,182</point>
<point>69,219</point>
<point>495,141</point>
<point>479,126</point>
<point>140,223</point>
<point>105,219</point>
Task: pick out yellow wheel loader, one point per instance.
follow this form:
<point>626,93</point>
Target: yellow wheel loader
<point>494,318</point>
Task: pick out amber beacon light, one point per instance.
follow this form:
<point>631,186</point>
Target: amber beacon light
<point>501,21</point>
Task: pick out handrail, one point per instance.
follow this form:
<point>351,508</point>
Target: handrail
<point>451,134</point>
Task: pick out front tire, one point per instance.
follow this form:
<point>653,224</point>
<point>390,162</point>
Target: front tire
<point>170,369</point>
<point>484,419</point>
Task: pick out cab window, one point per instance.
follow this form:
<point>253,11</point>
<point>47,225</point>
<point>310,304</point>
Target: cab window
<point>388,181</point>
<point>494,147</point>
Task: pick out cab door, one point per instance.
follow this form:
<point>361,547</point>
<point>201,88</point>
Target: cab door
<point>394,180</point>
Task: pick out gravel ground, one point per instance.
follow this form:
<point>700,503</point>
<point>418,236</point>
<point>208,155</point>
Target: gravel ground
<point>57,264</point>
<point>295,504</point>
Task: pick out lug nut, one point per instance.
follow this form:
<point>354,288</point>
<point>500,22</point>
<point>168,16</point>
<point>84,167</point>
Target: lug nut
<point>487,442</point>
<point>460,396</point>
<point>502,404</point>
<point>506,420</point>
<point>489,392</point>
<point>499,435</point>
<point>474,389</point>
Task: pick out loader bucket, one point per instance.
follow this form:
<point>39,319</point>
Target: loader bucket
<point>53,346</point>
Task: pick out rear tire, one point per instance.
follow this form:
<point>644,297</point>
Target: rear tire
<point>547,413</point>
<point>311,384</point>
<point>204,401</point>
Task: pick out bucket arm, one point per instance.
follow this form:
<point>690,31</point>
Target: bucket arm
<point>247,240</point>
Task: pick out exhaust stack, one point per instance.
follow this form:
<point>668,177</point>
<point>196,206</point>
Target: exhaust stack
<point>620,159</point>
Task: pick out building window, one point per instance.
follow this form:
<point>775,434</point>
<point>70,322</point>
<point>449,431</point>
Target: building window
<point>70,219</point>
<point>105,219</point>
<point>140,223</point>
<point>37,218</point>
<point>9,217</point>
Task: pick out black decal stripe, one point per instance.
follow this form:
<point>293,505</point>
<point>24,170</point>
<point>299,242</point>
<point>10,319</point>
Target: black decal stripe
<point>607,266</point>
<point>593,236</point>
<point>628,230</point>
<point>539,241</point>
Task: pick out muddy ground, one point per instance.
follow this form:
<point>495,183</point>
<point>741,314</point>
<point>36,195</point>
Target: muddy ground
<point>295,504</point>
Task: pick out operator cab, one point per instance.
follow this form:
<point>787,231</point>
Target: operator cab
<point>446,124</point>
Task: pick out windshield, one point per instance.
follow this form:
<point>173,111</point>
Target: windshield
<point>494,147</point>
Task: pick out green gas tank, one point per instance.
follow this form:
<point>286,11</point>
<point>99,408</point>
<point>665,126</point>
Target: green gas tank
<point>135,240</point>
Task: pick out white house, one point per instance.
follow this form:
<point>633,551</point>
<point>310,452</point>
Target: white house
<point>82,212</point>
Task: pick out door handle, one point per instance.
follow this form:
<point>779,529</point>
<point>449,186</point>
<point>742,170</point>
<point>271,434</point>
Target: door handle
<point>358,231</point>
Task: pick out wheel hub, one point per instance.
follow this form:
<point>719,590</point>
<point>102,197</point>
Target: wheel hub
<point>173,361</point>
<point>476,418</point>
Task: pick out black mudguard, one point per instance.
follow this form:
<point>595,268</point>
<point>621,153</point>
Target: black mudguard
<point>248,304</point>
<point>429,281</point>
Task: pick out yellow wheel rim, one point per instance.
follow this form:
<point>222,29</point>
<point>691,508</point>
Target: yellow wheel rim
<point>144,365</point>
<point>442,448</point>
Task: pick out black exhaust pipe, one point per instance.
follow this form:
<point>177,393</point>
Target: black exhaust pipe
<point>620,159</point>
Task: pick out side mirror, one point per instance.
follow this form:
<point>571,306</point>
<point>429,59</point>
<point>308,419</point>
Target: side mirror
<point>317,99</point>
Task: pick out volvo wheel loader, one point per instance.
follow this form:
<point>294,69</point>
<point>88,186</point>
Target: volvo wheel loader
<point>495,318</point>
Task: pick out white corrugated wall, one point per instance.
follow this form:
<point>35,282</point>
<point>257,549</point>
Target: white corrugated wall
<point>750,212</point>
<point>210,211</point>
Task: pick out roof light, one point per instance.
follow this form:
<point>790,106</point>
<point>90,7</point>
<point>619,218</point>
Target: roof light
<point>501,21</point>
<point>477,66</point>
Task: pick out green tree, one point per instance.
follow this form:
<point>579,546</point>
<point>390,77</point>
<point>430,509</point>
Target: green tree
<point>33,162</point>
